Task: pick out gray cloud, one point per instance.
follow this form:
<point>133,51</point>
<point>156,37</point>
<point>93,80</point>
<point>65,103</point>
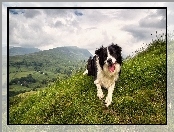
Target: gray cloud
<point>129,14</point>
<point>31,13</point>
<point>58,24</point>
<point>161,12</point>
<point>154,20</point>
<point>151,22</point>
<point>16,11</point>
<point>137,32</point>
<point>56,12</point>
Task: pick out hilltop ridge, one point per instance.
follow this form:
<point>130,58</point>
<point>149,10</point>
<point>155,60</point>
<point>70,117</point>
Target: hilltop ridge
<point>22,51</point>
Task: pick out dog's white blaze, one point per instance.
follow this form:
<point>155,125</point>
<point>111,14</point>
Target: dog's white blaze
<point>110,57</point>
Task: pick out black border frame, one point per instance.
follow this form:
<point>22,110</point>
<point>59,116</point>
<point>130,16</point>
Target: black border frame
<point>8,10</point>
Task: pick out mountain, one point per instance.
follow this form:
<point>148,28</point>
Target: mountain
<point>139,97</point>
<point>69,52</point>
<point>22,51</point>
<point>64,56</point>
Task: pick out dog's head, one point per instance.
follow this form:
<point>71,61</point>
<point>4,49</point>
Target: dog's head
<point>110,58</point>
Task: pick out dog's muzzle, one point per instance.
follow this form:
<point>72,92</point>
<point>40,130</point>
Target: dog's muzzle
<point>109,61</point>
<point>111,65</point>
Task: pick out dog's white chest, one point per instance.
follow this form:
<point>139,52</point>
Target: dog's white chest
<point>106,81</point>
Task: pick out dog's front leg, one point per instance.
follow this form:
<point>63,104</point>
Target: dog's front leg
<point>99,90</point>
<point>109,96</point>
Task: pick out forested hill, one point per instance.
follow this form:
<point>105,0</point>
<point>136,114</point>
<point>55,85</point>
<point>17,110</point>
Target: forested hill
<point>22,51</point>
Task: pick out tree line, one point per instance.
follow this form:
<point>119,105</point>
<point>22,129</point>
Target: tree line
<point>24,81</point>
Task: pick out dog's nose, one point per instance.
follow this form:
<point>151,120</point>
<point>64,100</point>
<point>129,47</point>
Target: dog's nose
<point>109,61</point>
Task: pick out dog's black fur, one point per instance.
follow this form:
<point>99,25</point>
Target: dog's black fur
<point>91,66</point>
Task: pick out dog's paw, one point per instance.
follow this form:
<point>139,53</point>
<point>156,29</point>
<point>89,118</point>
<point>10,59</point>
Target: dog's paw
<point>100,95</point>
<point>108,101</point>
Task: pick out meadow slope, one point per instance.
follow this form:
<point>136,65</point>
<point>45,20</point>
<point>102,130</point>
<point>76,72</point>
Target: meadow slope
<point>139,96</point>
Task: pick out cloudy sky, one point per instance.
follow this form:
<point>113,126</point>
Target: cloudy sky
<point>85,28</point>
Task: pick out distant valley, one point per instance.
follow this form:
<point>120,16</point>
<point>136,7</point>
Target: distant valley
<point>41,68</point>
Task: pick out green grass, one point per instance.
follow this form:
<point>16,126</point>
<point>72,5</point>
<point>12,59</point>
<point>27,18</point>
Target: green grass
<point>139,96</point>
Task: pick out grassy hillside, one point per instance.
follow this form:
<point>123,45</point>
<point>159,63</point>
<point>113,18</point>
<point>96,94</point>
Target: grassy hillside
<point>139,96</point>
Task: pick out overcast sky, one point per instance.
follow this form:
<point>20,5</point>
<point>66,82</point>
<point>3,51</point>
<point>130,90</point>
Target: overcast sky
<point>85,28</point>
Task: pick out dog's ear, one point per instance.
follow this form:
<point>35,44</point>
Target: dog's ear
<point>118,50</point>
<point>99,51</point>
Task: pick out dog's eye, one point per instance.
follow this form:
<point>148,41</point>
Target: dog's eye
<point>111,52</point>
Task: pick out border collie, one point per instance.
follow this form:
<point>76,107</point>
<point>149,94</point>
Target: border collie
<point>105,66</point>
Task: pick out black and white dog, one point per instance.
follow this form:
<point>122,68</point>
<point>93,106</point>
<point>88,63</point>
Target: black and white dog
<point>105,66</point>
